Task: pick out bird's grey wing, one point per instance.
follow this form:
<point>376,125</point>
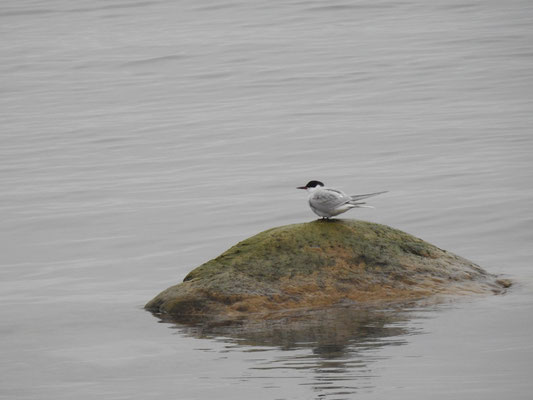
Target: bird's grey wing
<point>358,197</point>
<point>328,199</point>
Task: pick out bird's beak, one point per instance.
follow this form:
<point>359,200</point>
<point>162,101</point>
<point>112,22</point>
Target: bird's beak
<point>301,187</point>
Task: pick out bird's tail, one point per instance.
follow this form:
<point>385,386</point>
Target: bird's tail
<point>364,196</point>
<point>358,205</point>
<point>355,201</point>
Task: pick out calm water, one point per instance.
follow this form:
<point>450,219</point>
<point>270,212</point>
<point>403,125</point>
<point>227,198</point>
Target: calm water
<point>142,138</point>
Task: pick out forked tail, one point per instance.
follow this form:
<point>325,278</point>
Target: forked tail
<point>364,196</point>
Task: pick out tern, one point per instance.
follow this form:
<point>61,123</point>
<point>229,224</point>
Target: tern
<point>328,202</point>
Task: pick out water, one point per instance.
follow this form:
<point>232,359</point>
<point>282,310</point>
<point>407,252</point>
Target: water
<point>140,139</point>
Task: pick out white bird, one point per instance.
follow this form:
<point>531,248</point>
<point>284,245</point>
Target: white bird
<point>328,202</point>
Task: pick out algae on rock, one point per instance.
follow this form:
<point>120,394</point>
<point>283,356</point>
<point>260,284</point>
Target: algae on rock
<point>319,264</point>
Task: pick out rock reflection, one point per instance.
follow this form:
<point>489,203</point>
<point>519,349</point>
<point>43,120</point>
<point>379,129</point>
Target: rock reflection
<point>327,331</point>
<point>330,350</point>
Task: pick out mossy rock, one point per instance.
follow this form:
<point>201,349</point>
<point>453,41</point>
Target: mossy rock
<point>320,264</point>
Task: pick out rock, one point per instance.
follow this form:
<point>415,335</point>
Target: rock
<point>319,264</point>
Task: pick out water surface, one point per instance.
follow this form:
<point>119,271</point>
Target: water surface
<point>140,139</point>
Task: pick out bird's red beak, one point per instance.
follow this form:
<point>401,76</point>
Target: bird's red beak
<point>301,187</point>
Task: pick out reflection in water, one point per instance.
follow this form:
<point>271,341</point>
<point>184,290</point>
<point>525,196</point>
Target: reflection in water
<point>334,346</point>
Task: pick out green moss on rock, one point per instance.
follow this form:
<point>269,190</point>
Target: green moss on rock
<point>317,264</point>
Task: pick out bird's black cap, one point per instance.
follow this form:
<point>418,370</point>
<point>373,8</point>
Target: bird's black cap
<point>311,184</point>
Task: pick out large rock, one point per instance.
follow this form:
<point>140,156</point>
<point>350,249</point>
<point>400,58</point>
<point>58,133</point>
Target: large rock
<point>320,264</point>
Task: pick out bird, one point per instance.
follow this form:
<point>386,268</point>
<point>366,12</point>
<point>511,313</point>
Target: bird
<point>328,202</point>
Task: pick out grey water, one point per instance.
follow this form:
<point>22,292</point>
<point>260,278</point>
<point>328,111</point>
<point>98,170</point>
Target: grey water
<point>139,139</point>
